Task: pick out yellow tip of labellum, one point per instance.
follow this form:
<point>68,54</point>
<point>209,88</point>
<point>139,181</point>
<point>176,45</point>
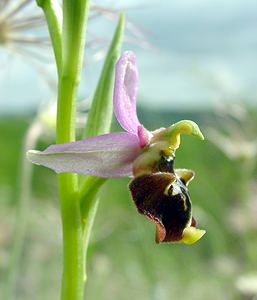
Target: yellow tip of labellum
<point>191,235</point>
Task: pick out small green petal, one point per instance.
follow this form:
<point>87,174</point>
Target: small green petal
<point>185,175</point>
<point>184,127</point>
<point>172,134</point>
<point>191,235</point>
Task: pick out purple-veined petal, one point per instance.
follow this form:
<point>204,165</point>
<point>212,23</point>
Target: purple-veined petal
<point>108,155</point>
<point>125,92</point>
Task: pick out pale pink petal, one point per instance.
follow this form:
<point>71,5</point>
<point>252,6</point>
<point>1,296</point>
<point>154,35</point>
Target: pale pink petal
<point>125,92</point>
<point>108,155</point>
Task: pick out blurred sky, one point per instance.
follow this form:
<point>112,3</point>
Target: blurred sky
<point>200,52</point>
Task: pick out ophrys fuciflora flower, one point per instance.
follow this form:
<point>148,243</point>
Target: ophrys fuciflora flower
<point>159,191</point>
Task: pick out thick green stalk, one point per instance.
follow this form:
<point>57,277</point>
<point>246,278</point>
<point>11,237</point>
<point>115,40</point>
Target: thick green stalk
<point>73,268</point>
<point>73,43</point>
<point>73,38</point>
<point>74,34</point>
<point>68,79</point>
<point>72,279</point>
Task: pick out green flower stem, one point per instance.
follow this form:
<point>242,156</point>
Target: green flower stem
<point>72,280</point>
<point>53,15</point>
<point>73,259</point>
<point>66,110</point>
<point>73,43</point>
<point>73,270</point>
<point>74,34</point>
<point>73,38</point>
<point>21,218</point>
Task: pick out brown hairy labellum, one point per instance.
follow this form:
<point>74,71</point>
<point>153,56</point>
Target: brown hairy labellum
<point>162,196</point>
<point>163,199</point>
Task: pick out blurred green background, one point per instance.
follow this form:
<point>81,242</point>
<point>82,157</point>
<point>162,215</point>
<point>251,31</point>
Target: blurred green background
<point>124,262</point>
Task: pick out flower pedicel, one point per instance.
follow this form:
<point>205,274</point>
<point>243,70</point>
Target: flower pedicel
<point>159,191</point>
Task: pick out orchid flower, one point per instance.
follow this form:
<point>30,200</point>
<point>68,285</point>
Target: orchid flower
<point>159,191</point>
